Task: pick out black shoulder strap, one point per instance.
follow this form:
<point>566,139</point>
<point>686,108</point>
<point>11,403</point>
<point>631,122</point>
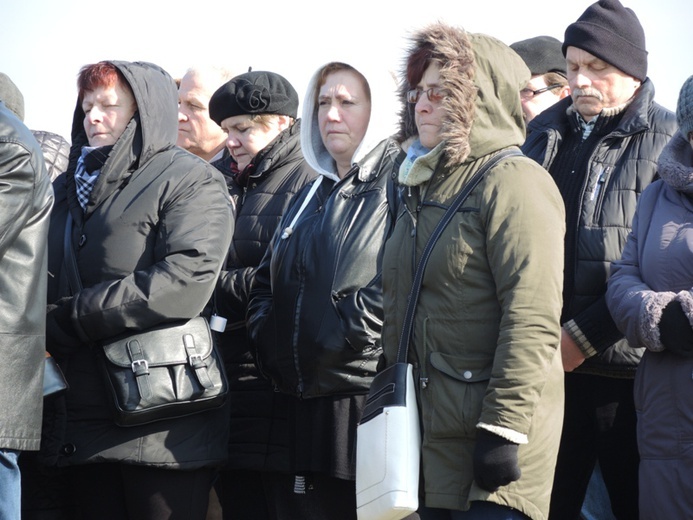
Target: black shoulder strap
<point>444,221</point>
<point>69,259</point>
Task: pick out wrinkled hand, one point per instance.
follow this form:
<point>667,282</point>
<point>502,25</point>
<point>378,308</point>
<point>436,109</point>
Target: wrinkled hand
<point>675,330</point>
<point>571,354</point>
<point>495,461</point>
<point>61,337</point>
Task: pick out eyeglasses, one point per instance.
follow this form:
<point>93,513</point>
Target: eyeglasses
<point>528,93</point>
<point>434,94</point>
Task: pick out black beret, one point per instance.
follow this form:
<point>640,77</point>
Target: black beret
<point>255,92</point>
<point>541,54</point>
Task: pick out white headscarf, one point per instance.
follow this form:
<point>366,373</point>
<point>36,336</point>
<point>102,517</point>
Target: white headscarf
<point>382,124</point>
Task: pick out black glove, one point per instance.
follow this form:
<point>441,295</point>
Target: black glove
<point>61,337</point>
<point>495,461</point>
<point>675,330</point>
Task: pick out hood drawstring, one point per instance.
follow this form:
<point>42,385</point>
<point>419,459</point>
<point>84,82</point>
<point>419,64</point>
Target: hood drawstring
<point>290,228</point>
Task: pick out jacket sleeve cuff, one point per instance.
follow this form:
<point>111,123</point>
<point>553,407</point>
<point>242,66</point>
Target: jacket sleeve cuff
<point>651,316</point>
<point>505,433</point>
<point>594,330</point>
<point>580,339</point>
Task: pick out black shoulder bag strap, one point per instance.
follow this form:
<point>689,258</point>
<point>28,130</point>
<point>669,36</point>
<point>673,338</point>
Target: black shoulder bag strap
<point>418,275</point>
<point>69,258</point>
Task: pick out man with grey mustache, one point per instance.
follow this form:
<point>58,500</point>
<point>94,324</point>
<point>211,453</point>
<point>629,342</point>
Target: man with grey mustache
<point>600,146</point>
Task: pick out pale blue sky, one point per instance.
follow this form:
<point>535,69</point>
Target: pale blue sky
<point>46,42</point>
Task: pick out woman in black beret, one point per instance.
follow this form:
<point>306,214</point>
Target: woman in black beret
<point>258,111</point>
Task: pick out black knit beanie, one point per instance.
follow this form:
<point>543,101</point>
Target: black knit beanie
<point>612,33</point>
<point>541,54</point>
<point>255,92</point>
<point>684,108</point>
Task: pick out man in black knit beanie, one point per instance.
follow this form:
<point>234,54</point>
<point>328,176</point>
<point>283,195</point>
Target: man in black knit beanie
<point>600,146</point>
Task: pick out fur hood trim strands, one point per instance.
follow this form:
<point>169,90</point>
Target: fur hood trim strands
<point>453,50</point>
<point>483,78</point>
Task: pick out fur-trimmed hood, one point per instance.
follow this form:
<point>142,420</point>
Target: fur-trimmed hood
<point>675,164</point>
<point>484,78</point>
<point>383,120</point>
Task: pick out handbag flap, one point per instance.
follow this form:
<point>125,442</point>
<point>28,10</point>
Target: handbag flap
<point>389,388</point>
<point>163,345</point>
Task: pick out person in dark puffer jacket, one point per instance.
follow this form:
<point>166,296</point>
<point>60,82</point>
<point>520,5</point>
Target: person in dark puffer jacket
<point>600,146</point>
<point>151,227</point>
<point>266,169</point>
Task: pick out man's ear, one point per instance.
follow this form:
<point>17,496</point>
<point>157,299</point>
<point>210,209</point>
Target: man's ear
<point>564,92</point>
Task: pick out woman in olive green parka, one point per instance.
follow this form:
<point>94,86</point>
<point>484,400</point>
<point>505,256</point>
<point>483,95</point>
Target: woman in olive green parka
<point>486,327</point>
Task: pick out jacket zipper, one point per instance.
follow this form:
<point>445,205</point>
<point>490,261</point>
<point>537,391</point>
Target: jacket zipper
<point>423,371</point>
<point>599,192</point>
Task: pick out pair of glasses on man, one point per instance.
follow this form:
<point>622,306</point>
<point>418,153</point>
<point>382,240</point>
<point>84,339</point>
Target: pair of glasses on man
<point>528,93</point>
<point>434,94</point>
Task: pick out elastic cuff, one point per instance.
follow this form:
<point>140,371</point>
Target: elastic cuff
<point>651,316</point>
<point>505,433</point>
<point>580,339</point>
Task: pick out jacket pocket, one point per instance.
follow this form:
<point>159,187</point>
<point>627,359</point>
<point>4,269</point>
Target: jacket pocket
<point>456,388</point>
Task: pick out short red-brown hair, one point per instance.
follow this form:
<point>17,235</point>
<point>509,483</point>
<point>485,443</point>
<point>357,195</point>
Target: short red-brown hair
<point>101,74</point>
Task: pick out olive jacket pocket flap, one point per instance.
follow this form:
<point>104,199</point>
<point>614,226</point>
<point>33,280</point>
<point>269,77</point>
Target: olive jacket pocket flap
<point>461,368</point>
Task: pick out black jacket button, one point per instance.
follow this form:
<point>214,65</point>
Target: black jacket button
<point>68,449</point>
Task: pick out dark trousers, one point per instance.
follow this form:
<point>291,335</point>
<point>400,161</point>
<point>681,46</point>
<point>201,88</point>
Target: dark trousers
<point>599,424</point>
<point>312,497</point>
<point>241,495</point>
<point>477,511</point>
<point>113,491</point>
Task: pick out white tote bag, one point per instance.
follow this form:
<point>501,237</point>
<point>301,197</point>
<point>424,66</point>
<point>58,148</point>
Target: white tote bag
<point>388,448</point>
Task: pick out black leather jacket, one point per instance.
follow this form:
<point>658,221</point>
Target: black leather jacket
<point>315,314</point>
<point>26,199</point>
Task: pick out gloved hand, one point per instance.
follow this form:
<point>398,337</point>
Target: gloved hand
<point>495,461</point>
<point>61,337</point>
<point>675,330</point>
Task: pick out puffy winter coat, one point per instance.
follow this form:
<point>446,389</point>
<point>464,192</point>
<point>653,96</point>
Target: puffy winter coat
<point>26,199</point>
<point>486,328</point>
<point>657,267</point>
<point>280,173</point>
<point>56,151</point>
<point>149,248</point>
<point>621,166</point>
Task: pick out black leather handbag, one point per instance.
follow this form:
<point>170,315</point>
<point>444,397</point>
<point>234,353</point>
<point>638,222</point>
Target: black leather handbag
<point>168,371</point>
<point>165,372</point>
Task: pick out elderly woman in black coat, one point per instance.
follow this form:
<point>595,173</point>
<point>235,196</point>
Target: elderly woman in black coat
<point>151,227</point>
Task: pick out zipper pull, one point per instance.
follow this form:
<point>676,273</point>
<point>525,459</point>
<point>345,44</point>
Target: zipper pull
<point>423,382</point>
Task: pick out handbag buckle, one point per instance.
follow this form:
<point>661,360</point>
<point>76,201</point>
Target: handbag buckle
<point>195,361</point>
<point>140,367</point>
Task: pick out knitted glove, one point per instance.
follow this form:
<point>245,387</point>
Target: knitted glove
<point>61,337</point>
<point>675,330</point>
<point>495,461</point>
